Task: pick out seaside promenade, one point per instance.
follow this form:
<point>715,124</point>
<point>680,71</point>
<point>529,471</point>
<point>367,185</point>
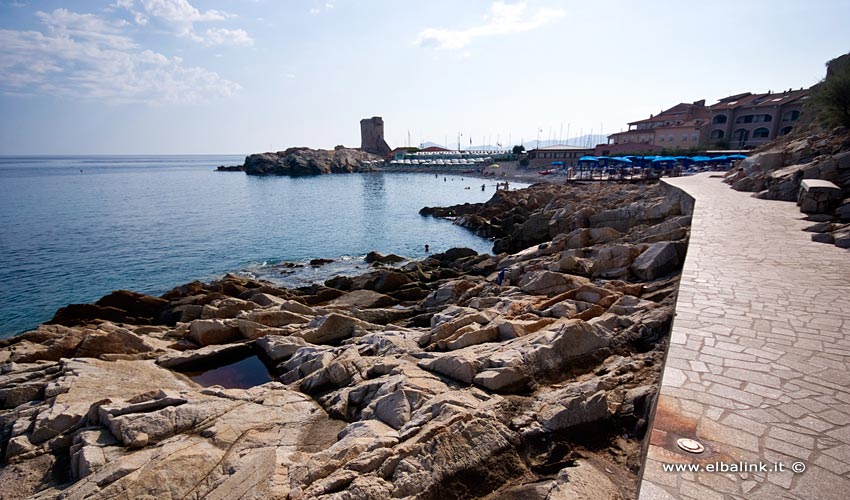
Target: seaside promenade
<point>758,370</point>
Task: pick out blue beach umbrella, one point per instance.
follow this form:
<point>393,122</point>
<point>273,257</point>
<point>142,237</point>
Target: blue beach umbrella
<point>700,159</point>
<point>736,157</point>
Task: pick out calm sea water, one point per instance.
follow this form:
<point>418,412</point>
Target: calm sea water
<point>76,228</point>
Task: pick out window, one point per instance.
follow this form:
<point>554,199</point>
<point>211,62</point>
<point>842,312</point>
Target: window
<point>768,118</point>
<point>745,119</point>
<point>790,116</point>
<point>761,133</point>
<point>717,134</point>
<point>670,138</point>
<point>684,137</point>
<point>719,119</point>
<point>785,131</point>
<point>694,136</point>
<point>660,138</point>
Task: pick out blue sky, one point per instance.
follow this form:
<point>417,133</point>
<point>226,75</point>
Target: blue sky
<point>215,76</point>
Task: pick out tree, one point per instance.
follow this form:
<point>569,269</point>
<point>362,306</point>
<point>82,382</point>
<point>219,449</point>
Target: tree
<point>519,148</point>
<point>832,95</point>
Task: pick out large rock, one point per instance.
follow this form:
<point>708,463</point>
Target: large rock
<point>212,331</point>
<point>550,283</point>
<point>335,327</point>
<point>279,348</point>
<point>363,299</point>
<point>117,341</point>
<point>660,259</point>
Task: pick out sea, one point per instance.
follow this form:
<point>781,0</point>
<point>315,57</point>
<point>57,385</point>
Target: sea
<point>74,228</point>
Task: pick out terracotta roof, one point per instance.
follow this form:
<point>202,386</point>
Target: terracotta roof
<point>759,100</point>
<point>676,112</point>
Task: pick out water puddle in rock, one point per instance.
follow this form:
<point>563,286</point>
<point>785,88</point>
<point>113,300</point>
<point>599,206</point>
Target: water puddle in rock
<point>241,374</point>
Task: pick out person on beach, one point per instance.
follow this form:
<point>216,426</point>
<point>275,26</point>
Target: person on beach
<point>483,186</point>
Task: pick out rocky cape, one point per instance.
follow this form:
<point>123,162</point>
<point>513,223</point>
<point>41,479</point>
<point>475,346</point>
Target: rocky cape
<point>431,380</point>
<point>306,161</point>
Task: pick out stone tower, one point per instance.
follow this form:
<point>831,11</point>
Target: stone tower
<point>372,136</point>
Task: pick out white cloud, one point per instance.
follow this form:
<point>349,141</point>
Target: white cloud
<point>180,17</point>
<point>224,36</point>
<point>503,19</point>
<point>85,56</point>
<point>318,10</point>
<point>179,13</point>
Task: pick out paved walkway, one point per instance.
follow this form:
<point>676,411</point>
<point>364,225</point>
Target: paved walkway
<point>758,369</point>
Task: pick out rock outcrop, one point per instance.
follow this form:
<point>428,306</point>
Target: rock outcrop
<point>306,161</point>
<point>430,380</point>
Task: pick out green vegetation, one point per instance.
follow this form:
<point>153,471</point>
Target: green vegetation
<point>831,96</point>
<point>519,148</point>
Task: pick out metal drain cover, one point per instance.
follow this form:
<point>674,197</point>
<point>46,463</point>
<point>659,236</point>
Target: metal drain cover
<point>690,445</point>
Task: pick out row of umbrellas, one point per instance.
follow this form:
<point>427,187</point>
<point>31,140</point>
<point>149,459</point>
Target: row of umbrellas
<point>657,160</point>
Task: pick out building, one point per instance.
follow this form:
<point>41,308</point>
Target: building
<point>569,155</point>
<point>741,121</point>
<point>680,127</point>
<point>750,120</point>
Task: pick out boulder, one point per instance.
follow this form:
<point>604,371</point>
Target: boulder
<point>448,292</point>
<point>279,348</point>
<point>212,331</point>
<point>390,281</point>
<point>550,283</point>
<point>363,299</point>
<point>274,318</point>
<point>267,300</point>
<point>575,410</point>
<point>453,254</point>
<point>335,327</point>
<point>659,259</point>
<point>378,257</point>
<point>118,341</point>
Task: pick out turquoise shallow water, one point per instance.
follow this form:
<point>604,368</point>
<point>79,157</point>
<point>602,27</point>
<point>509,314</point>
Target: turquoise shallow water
<point>149,223</point>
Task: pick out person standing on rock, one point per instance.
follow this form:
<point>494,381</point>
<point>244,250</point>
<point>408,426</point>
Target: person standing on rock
<point>500,278</point>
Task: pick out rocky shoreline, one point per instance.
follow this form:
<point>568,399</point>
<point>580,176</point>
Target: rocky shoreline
<point>529,374</point>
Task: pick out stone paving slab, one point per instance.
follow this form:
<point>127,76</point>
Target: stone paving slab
<point>758,369</point>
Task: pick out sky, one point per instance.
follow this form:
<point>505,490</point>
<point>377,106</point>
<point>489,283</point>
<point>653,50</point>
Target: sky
<point>238,77</point>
